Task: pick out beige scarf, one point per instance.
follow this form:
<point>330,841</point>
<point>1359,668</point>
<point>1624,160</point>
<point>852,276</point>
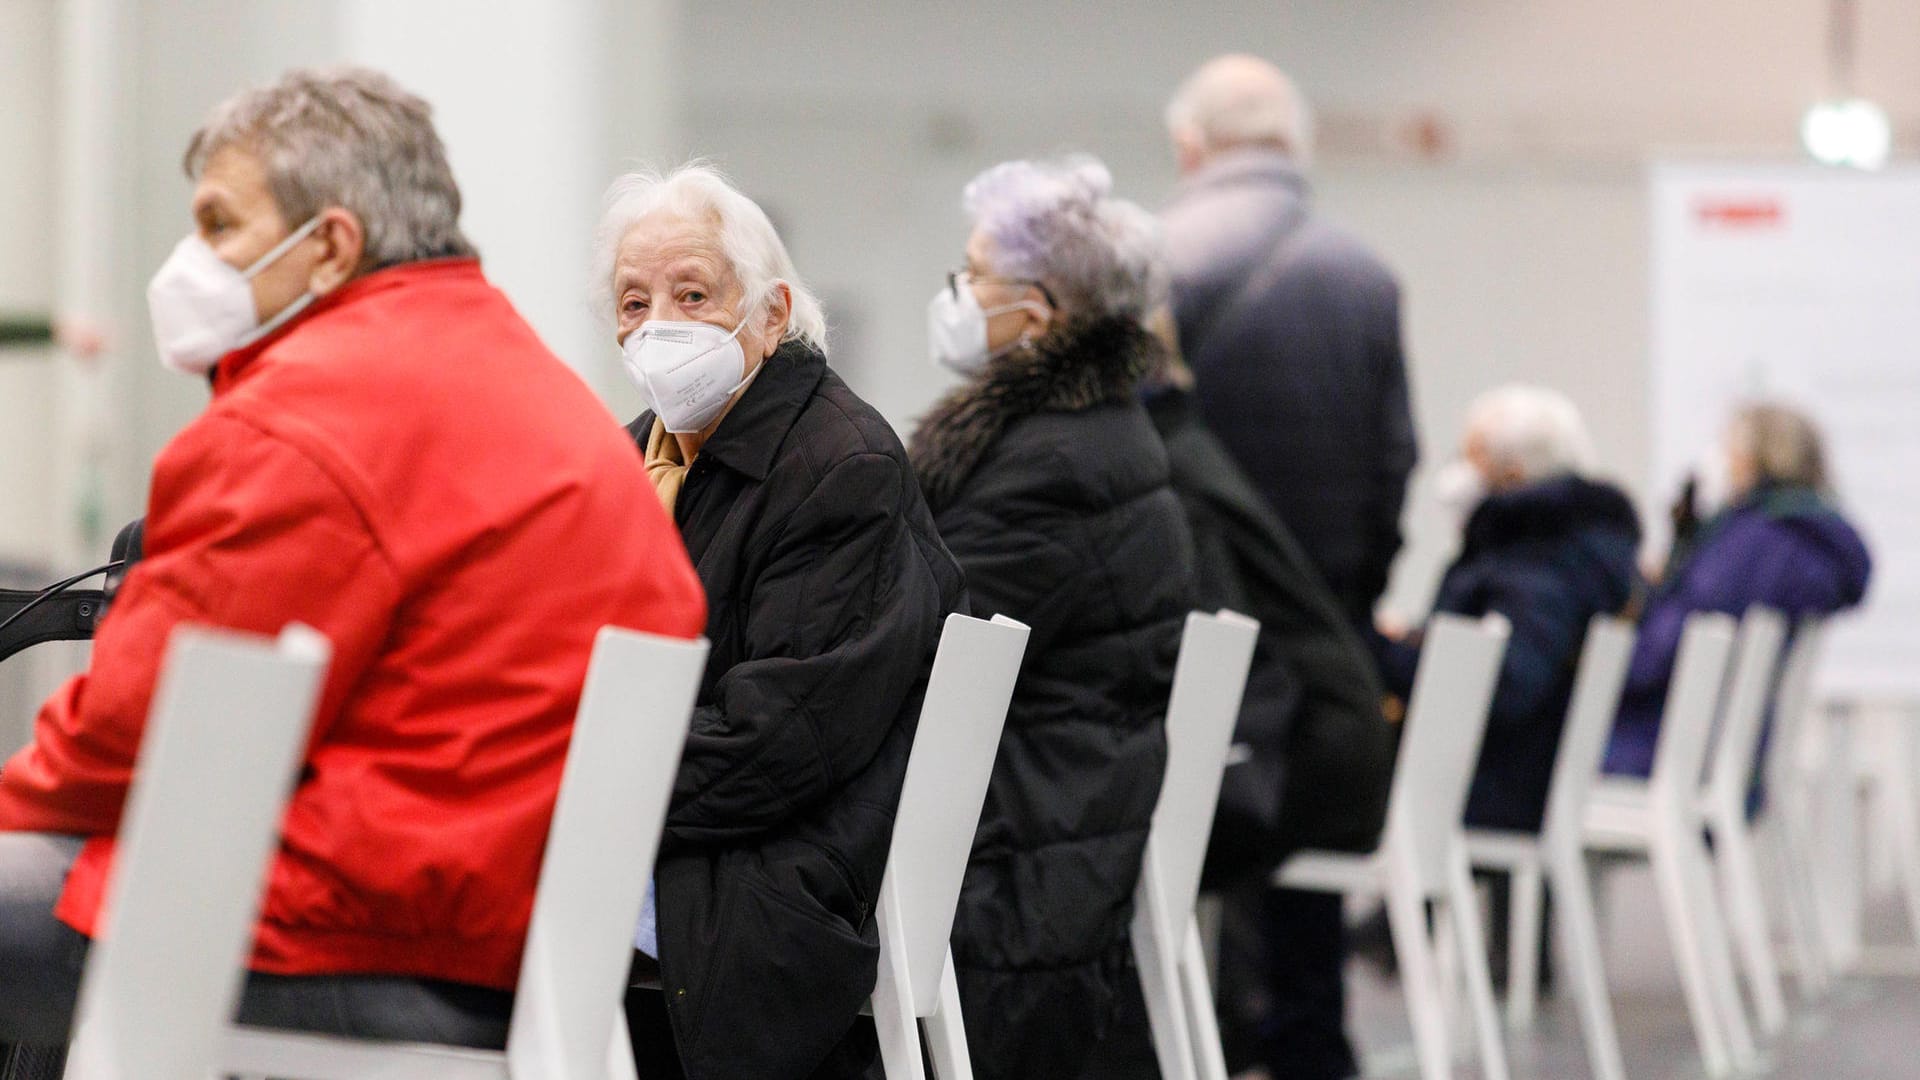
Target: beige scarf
<point>664,465</point>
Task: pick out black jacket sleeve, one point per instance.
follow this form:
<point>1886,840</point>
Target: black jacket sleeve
<point>1398,450</point>
<point>837,631</point>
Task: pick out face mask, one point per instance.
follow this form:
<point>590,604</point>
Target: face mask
<point>686,371</point>
<point>202,308</point>
<point>957,328</point>
<point>1460,489</point>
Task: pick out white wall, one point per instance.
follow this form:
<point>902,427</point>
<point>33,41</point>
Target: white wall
<point>26,271</point>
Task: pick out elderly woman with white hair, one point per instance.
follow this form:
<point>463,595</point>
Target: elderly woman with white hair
<point>826,587</point>
<point>1050,485</point>
<point>1548,547</point>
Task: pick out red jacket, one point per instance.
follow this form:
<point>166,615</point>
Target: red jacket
<point>408,469</point>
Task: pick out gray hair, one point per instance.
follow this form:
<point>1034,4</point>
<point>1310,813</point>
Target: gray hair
<point>1056,223</point>
<point>1783,443</point>
<point>697,191</point>
<point>1533,430</point>
<point>347,137</point>
<point>1241,100</point>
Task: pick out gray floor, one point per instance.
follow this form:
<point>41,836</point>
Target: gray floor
<point>1867,1028</point>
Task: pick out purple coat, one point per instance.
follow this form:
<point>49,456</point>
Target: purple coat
<point>1785,548</point>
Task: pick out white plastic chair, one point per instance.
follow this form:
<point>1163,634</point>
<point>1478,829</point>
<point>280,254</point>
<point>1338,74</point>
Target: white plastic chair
<point>567,1021</point>
<point>230,716</point>
<point>1422,855</point>
<point>954,748</point>
<point>1789,798</point>
<point>1209,680</point>
<point>1756,663</point>
<point>1558,853</point>
<point>1660,820</point>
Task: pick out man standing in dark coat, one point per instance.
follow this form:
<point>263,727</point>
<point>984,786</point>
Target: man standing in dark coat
<point>1292,328</point>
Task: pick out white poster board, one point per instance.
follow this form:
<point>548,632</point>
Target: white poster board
<point>1803,283</point>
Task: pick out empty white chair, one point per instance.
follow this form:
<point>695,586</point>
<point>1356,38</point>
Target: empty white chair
<point>1211,675</point>
<point>1558,851</point>
<point>567,1021</point>
<point>1789,806</point>
<point>1756,662</point>
<point>229,718</point>
<point>946,784</point>
<point>1660,819</point>
<point>1422,854</point>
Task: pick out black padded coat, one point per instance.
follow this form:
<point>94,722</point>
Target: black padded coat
<point>826,588</point>
<point>1049,484</point>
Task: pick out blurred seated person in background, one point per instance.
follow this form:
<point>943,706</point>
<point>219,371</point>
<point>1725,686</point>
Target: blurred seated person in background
<point>827,585</point>
<point>1318,748</point>
<point>393,457</point>
<point>1051,487</point>
<point>1779,541</point>
<point>1548,548</point>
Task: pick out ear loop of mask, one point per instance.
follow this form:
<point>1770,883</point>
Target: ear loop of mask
<point>273,255</point>
<point>1025,340</point>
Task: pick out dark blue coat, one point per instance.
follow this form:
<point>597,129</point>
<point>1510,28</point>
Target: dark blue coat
<point>1785,548</point>
<point>1549,556</point>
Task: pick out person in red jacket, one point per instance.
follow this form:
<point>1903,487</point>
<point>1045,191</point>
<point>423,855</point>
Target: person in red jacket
<point>391,456</point>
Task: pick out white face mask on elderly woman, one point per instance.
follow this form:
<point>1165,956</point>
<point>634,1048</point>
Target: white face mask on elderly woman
<point>202,308</point>
<point>957,327</point>
<point>1459,488</point>
<point>686,371</point>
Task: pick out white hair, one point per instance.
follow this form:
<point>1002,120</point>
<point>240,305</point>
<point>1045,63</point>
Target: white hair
<point>1533,430</point>
<point>349,137</point>
<point>697,191</point>
<point>1058,225</point>
<point>1241,100</point>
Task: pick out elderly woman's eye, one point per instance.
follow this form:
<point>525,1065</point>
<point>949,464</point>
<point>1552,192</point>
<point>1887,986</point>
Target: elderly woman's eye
<point>693,296</point>
<point>633,307</point>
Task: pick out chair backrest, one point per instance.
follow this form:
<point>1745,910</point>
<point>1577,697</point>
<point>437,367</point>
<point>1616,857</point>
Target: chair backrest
<point>1693,698</point>
<point>1446,720</point>
<point>1597,687</point>
<point>1794,698</point>
<point>1756,663</point>
<point>1209,679</point>
<point>230,716</point>
<point>954,748</point>
<point>607,818</point>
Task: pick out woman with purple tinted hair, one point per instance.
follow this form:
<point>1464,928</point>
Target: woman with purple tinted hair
<point>1050,486</point>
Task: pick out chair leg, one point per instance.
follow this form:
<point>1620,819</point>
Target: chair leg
<point>894,1019</point>
<point>1523,945</point>
<point>1202,1022</point>
<point>1465,911</point>
<point>1903,821</point>
<point>1157,959</point>
<point>1790,852</point>
<point>1419,977</point>
<point>1689,954</point>
<point>946,1031</point>
<point>1716,943</point>
<point>1747,912</point>
<point>1581,958</point>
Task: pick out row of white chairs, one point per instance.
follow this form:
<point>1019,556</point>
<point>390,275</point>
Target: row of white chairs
<point>218,762</point>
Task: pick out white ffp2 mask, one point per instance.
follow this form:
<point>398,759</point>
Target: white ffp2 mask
<point>686,371</point>
<point>202,308</point>
<point>957,328</point>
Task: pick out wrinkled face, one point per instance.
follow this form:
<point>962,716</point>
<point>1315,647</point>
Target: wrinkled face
<point>994,291</point>
<point>234,212</point>
<point>674,270</point>
<point>1495,476</point>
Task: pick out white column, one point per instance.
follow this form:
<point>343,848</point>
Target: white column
<point>538,101</point>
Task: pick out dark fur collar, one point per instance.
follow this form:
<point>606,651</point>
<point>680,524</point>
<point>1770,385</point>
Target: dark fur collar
<point>1088,363</point>
<point>1549,509</point>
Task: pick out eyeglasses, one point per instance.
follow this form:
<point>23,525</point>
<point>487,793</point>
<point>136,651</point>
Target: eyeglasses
<point>955,277</point>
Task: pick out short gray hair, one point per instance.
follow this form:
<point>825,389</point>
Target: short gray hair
<point>347,137</point>
<point>1241,100</point>
<point>1533,430</point>
<point>1783,443</point>
<point>1057,223</point>
<point>696,191</point>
